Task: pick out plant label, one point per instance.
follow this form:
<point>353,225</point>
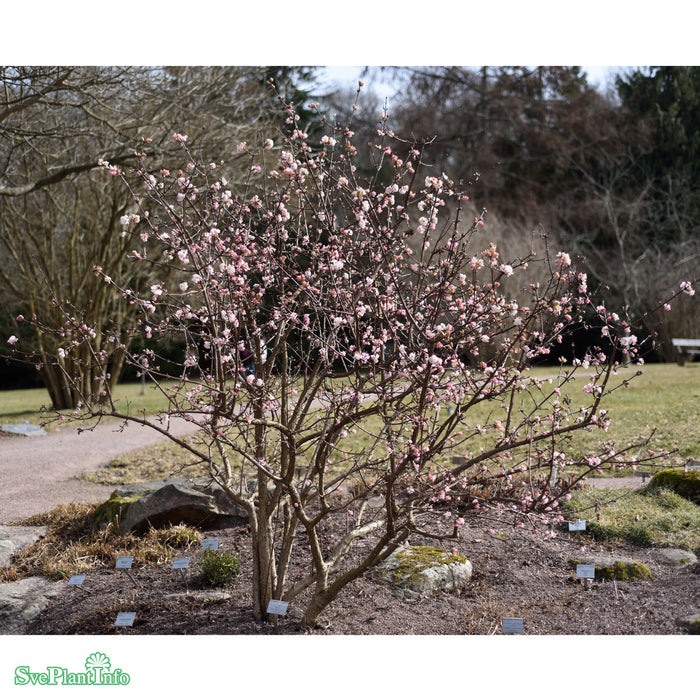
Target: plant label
<point>277,607</point>
<point>125,619</point>
<point>512,625</point>
<point>577,525</point>
<point>181,563</point>
<point>585,570</point>
<point>76,580</point>
<point>553,480</point>
<point>209,544</point>
<point>124,562</point>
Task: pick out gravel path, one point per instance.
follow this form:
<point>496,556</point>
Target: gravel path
<point>618,482</point>
<point>39,473</point>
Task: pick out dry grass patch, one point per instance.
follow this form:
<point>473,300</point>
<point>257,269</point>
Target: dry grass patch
<point>73,545</point>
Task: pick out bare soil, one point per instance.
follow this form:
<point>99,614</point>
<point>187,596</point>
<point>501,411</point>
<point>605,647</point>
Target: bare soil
<point>517,573</point>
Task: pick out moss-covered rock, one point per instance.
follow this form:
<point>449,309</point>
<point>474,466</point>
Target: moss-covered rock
<point>684,483</point>
<point>422,570</point>
<point>111,510</point>
<point>608,568</point>
<point>691,623</point>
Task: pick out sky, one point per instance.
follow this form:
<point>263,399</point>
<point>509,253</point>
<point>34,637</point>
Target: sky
<point>339,75</point>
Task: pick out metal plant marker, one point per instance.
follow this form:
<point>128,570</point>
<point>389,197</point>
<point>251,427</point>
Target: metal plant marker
<point>512,625</point>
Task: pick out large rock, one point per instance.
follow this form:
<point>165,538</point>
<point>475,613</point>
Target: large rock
<point>420,571</point>
<point>136,507</point>
<point>20,601</point>
<point>14,537</point>
<point>675,557</point>
<point>684,483</point>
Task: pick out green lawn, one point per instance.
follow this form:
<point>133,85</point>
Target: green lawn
<point>643,517</point>
<point>32,405</point>
<point>664,400</point>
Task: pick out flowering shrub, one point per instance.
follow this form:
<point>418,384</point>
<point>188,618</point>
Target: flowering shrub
<point>339,334</point>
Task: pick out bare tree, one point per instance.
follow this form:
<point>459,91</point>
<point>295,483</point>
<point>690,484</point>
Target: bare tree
<point>618,224</point>
<point>58,217</point>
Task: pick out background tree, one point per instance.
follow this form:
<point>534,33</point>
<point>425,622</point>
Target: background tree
<point>58,220</point>
<point>630,207</point>
<point>609,175</point>
<point>511,125</point>
<point>666,100</point>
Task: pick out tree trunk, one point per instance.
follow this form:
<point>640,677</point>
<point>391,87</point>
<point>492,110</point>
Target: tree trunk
<point>263,568</point>
<point>319,602</point>
<point>56,385</point>
<point>87,383</point>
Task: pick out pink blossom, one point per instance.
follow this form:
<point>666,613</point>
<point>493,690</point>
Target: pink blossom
<point>687,288</point>
<point>12,339</point>
<point>507,270</point>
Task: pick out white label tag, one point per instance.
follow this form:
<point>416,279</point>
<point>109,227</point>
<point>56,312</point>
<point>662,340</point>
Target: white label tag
<point>512,625</point>
<point>277,607</point>
<point>125,619</point>
<point>211,543</point>
<point>585,570</point>
<point>181,563</point>
<point>76,579</point>
<point>124,562</point>
<point>577,525</point>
